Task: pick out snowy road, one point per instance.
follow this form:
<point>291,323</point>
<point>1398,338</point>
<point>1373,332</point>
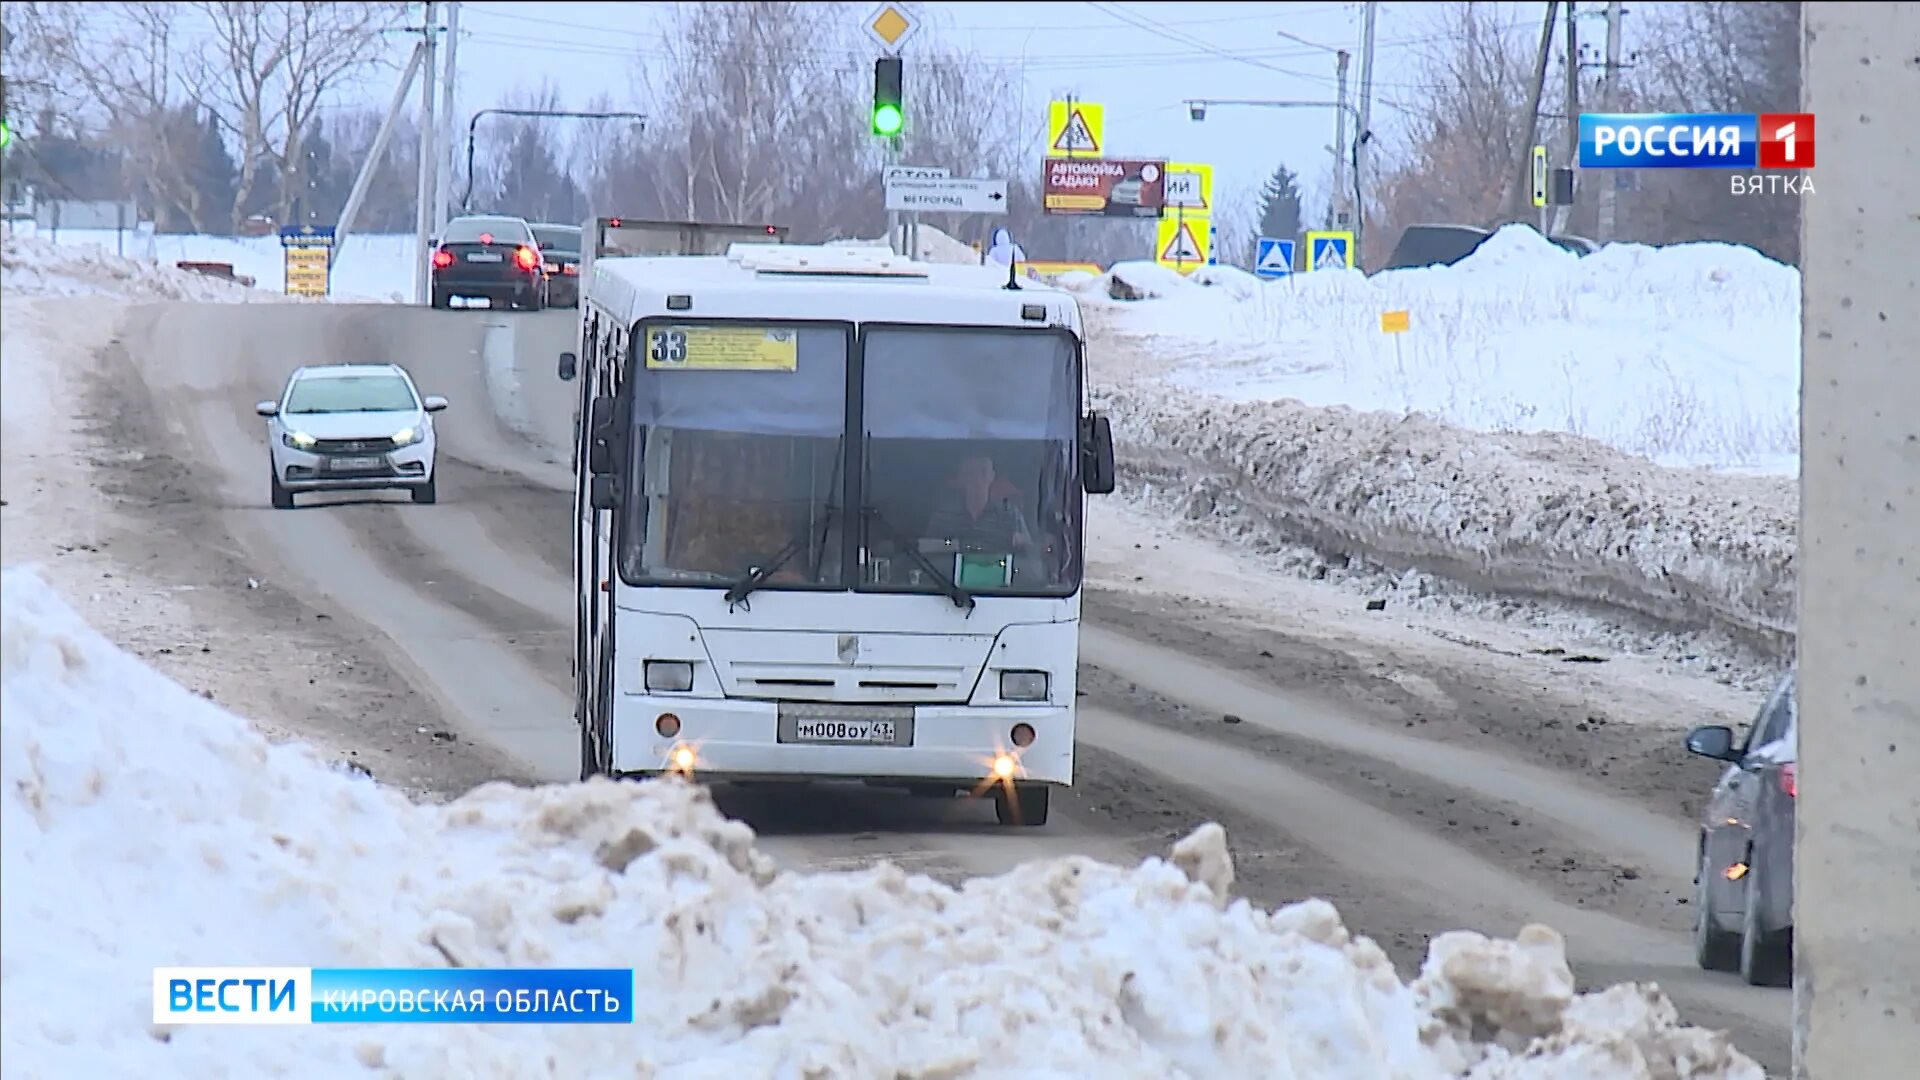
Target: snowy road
<point>1421,782</point>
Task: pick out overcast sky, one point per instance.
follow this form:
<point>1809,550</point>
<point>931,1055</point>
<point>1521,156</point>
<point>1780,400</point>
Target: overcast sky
<point>1140,60</point>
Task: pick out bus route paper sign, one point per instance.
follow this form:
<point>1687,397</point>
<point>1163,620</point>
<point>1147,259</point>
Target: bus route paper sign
<point>722,348</point>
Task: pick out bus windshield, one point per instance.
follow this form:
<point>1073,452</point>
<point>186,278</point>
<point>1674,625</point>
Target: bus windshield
<point>737,455</point>
<point>971,469</point>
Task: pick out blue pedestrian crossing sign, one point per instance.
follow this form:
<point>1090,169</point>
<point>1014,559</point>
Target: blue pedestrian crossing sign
<point>1273,258</point>
<point>1329,250</point>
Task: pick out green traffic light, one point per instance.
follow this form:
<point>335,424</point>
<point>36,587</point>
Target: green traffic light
<point>886,120</point>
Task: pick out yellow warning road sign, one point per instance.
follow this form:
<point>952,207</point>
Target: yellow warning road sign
<point>1075,129</point>
<point>1182,243</point>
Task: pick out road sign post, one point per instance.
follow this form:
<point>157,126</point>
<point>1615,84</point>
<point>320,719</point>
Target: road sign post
<point>955,195</point>
<point>309,259</point>
<point>1075,128</point>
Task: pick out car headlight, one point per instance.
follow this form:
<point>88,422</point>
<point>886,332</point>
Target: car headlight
<point>407,436</point>
<point>1023,686</point>
<point>670,676</point>
<point>299,440</point>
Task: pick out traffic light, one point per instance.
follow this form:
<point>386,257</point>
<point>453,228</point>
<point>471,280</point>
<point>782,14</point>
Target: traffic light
<point>888,116</point>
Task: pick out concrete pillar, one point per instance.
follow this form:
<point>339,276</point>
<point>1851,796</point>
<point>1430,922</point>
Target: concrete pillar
<point>1857,859</point>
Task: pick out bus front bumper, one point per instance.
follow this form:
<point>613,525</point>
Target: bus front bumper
<point>721,739</point>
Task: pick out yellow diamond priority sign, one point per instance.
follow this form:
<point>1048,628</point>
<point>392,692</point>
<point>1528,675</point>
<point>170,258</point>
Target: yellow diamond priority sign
<point>891,25</point>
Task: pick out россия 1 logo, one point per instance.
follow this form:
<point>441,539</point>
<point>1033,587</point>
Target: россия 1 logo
<point>1763,141</point>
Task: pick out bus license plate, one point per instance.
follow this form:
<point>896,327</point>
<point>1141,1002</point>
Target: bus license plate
<point>866,732</point>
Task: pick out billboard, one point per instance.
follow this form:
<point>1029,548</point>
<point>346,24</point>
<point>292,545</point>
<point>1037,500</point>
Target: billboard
<point>1104,187</point>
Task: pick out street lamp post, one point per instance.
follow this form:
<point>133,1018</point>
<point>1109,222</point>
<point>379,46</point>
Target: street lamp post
<point>467,197</point>
<point>1197,109</point>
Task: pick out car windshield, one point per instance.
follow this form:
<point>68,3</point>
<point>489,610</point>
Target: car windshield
<point>350,393</point>
<point>557,239</point>
<point>736,455</point>
<point>470,230</point>
<point>972,470</point>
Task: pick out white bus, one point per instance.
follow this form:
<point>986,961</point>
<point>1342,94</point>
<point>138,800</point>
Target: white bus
<point>830,517</point>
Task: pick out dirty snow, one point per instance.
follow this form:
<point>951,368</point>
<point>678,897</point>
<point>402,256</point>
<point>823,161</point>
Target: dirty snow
<point>119,783</point>
<point>1539,513</point>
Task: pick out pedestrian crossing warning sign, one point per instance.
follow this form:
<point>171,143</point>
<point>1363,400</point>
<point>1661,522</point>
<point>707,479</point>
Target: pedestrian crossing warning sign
<point>1182,244</point>
<point>1075,127</point>
<point>1329,250</point>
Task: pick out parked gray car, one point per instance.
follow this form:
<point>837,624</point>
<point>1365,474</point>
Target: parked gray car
<point>1743,893</point>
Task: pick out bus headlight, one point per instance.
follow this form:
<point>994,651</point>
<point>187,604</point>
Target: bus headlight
<point>669,676</point>
<point>1023,686</point>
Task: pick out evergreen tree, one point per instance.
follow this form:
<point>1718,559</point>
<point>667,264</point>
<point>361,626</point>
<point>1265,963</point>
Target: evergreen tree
<point>1280,205</point>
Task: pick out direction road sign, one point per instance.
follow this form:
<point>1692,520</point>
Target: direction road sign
<point>1190,187</point>
<point>1273,258</point>
<point>913,172</point>
<point>952,194</point>
<point>1329,250</point>
<point>1075,129</point>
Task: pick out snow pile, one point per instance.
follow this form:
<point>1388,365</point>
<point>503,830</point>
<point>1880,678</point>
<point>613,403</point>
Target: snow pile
<point>935,247</point>
<point>1544,515</point>
<point>30,266</point>
<point>144,826</point>
<point>1688,354</point>
<point>374,267</point>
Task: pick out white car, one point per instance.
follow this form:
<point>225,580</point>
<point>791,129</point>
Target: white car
<point>351,427</point>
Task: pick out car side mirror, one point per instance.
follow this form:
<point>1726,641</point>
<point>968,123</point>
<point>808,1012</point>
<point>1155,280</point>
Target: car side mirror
<point>268,408</point>
<point>433,403</point>
<point>1096,450</point>
<point>604,435</point>
<point>604,493</point>
<point>1714,742</point>
<point>569,366</point>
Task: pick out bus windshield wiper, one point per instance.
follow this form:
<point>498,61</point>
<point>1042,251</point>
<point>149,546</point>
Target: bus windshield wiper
<point>961,598</point>
<point>758,576</point>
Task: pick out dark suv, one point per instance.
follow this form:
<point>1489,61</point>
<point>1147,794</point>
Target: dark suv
<point>560,250</point>
<point>1743,900</point>
<point>492,257</point>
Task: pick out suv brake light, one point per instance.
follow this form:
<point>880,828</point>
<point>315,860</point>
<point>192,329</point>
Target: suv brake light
<point>442,259</point>
<point>526,258</point>
<point>1790,780</point>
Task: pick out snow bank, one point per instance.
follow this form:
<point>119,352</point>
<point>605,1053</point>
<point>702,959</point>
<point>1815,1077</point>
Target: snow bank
<point>1546,515</point>
<point>145,826</point>
<point>372,267</point>
<point>935,247</point>
<point>1689,354</point>
<point>30,266</point>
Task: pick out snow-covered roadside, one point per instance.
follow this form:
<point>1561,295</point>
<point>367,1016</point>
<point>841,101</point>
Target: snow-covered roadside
<point>30,266</point>
<point>1535,515</point>
<point>118,783</point>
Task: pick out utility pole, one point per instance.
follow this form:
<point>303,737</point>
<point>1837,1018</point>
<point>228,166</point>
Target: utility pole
<point>423,212</point>
<point>1363,138</point>
<point>1522,181</point>
<point>364,181</point>
<point>1563,215</point>
<point>443,186</point>
<point>1342,190</point>
<point>1609,85</point>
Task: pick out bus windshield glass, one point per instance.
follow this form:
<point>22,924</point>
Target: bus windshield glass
<point>737,455</point>
<point>972,475</point>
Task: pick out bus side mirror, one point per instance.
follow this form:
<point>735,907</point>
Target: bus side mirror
<point>1096,455</point>
<point>569,366</point>
<point>604,493</point>
<point>602,433</point>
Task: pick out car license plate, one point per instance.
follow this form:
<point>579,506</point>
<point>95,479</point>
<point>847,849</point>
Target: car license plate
<point>864,732</point>
<point>483,256</point>
<point>357,464</point>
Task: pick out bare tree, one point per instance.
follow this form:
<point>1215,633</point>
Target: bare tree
<point>268,67</point>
